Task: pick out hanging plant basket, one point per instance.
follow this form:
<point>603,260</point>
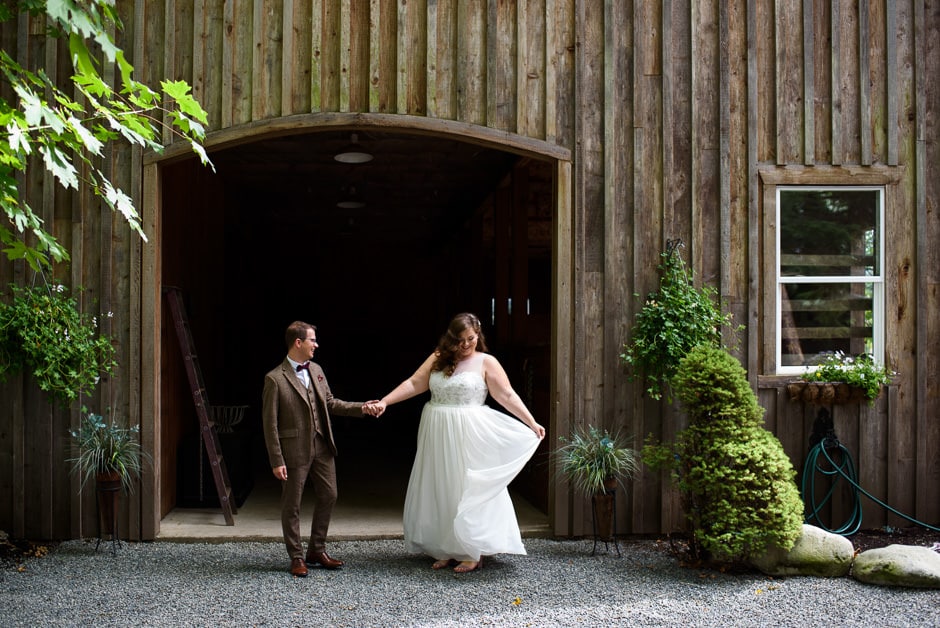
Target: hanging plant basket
<point>45,335</point>
<point>826,393</point>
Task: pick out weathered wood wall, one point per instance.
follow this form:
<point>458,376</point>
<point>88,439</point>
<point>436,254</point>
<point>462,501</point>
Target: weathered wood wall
<point>679,118</point>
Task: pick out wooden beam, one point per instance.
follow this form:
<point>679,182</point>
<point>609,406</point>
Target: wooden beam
<point>563,307</point>
<point>150,305</point>
<point>417,125</point>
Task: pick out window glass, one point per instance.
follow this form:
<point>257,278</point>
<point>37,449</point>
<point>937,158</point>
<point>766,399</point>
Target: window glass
<point>819,318</point>
<point>830,290</point>
<point>829,232</point>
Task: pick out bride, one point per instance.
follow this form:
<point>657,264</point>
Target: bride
<point>457,508</point>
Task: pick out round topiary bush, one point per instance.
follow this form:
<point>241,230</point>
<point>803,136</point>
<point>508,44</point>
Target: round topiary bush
<point>737,483</point>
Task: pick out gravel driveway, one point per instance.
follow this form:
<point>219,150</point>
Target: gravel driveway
<point>558,584</point>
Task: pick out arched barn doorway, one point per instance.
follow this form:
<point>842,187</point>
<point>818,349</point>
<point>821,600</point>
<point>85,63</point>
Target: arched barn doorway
<point>379,255</point>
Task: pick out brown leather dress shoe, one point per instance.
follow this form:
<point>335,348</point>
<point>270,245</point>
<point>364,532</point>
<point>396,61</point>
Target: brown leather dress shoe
<point>297,568</point>
<point>322,558</point>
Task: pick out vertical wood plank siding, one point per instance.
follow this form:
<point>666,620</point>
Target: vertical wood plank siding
<point>680,120</point>
<point>925,64</point>
<point>618,233</point>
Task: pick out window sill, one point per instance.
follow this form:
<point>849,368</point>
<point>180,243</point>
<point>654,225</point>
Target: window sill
<point>776,381</point>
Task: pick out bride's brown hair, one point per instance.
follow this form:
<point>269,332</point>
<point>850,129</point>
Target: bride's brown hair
<point>449,343</point>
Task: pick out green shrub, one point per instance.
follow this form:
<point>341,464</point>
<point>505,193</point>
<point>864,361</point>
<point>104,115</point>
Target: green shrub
<point>672,321</point>
<point>737,484</point>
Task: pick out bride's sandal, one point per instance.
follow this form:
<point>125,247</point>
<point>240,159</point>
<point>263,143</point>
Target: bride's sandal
<point>467,566</point>
<point>444,562</point>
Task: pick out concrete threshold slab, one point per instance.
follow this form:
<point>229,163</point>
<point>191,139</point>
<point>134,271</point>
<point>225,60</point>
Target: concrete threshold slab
<point>259,520</point>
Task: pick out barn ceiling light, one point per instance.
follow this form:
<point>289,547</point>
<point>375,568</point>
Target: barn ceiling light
<point>350,204</point>
<point>352,200</point>
<point>353,153</point>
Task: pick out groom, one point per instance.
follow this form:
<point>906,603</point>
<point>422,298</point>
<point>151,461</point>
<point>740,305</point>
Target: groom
<point>296,407</point>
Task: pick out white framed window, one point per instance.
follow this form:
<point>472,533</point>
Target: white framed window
<point>829,273</point>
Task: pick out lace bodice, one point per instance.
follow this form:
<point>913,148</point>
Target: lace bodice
<point>465,387</point>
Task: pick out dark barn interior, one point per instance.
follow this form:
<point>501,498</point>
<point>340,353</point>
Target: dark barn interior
<point>378,255</point>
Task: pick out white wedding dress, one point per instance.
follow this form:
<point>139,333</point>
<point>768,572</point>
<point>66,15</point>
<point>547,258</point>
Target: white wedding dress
<point>457,505</point>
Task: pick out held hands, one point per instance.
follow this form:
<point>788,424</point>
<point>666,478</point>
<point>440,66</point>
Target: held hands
<point>374,408</point>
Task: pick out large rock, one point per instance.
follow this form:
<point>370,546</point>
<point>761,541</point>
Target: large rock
<point>815,553</point>
<point>899,565</point>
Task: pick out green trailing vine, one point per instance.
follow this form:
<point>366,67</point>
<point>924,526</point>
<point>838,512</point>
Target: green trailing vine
<point>672,321</point>
<point>44,333</point>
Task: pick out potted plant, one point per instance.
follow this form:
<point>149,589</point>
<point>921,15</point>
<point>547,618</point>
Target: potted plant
<point>594,461</point>
<point>110,454</point>
<point>672,321</point>
<point>841,378</point>
<point>43,333</point>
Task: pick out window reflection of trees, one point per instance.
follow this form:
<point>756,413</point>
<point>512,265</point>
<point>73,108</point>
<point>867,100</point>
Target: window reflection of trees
<point>832,234</point>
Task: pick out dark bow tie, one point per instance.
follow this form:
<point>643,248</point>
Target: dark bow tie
<point>303,367</point>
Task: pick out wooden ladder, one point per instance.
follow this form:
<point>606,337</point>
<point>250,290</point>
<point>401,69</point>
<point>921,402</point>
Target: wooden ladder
<point>210,437</point>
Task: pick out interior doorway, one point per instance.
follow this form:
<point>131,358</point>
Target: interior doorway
<point>437,226</point>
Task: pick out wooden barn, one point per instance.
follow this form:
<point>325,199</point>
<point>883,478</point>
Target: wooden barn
<point>530,160</point>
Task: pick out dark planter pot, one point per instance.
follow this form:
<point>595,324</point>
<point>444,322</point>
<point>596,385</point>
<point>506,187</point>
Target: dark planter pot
<point>108,489</point>
<point>604,509</point>
<point>603,504</point>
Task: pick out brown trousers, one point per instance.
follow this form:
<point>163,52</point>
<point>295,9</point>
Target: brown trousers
<point>322,472</point>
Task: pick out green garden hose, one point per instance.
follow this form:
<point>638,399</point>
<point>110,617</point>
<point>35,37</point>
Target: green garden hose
<point>826,448</point>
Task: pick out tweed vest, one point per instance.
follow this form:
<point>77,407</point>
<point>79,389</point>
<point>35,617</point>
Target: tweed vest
<point>312,400</point>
